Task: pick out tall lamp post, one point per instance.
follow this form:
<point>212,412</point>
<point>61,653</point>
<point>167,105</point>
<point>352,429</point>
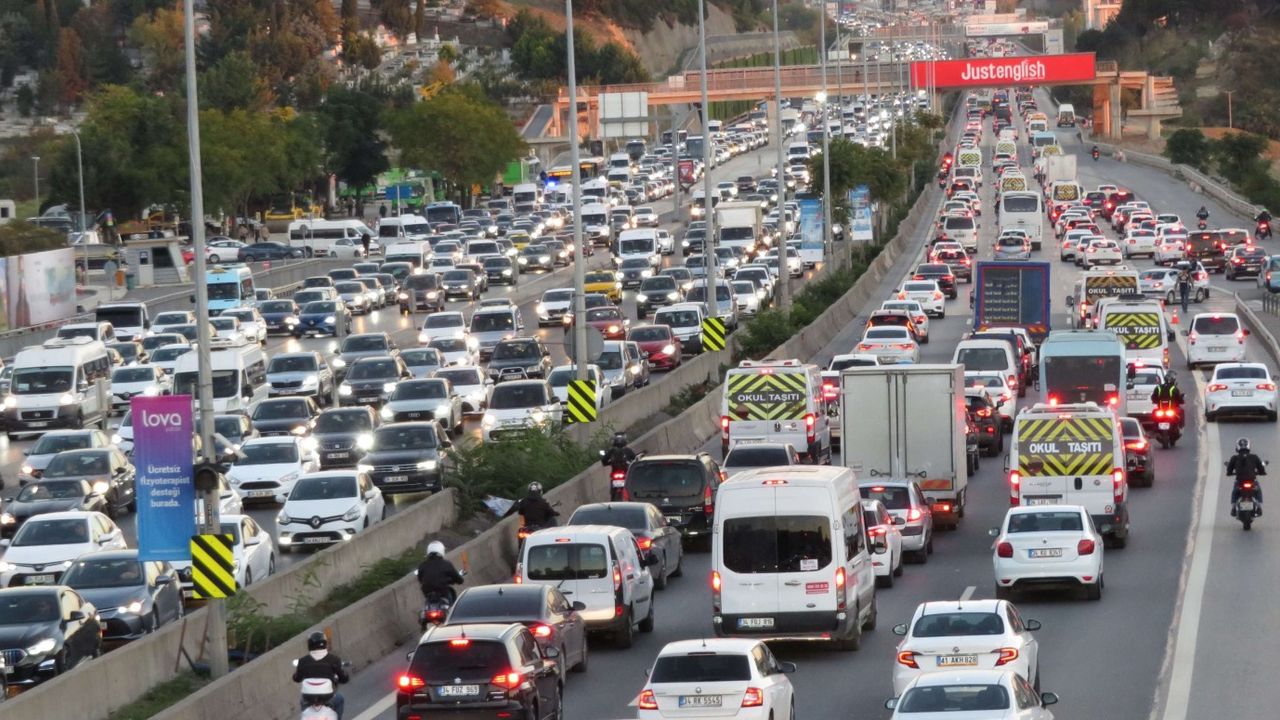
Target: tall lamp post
<point>35,176</point>
<point>579,271</point>
<point>84,243</point>
<point>708,204</point>
<point>828,197</point>
<point>784,278</point>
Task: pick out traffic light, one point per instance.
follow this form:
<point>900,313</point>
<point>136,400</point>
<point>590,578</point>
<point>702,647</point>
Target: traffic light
<point>206,477</point>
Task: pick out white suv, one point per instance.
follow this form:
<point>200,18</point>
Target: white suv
<point>1215,338</point>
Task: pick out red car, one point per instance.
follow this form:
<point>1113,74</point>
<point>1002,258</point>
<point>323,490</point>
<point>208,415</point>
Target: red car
<point>659,344</point>
<point>609,321</point>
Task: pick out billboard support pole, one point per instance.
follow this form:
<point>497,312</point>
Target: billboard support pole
<point>579,271</point>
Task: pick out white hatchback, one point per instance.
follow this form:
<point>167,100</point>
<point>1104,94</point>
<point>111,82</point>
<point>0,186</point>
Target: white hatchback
<point>1139,242</point>
<point>1102,252</point>
<point>328,507</point>
<point>1170,249</point>
<point>442,325</point>
<point>1214,338</point>
<point>1240,389</point>
<point>927,293</point>
<point>997,694</point>
<point>963,635</point>
<point>918,315</point>
<point>1047,545</point>
<point>718,677</point>
<point>890,344</point>
<point>268,467</point>
<point>887,565</point>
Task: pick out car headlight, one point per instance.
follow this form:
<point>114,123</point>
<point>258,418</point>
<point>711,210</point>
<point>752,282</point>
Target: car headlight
<point>116,439</point>
<point>330,320</point>
<point>634,369</point>
<point>506,272</point>
<point>288,477</point>
<point>444,410</point>
<point>66,399</point>
<point>7,566</point>
<point>310,380</point>
<point>523,261</point>
<point>7,519</point>
<point>538,415</point>
<point>291,320</point>
<point>646,273</point>
<point>132,608</point>
<point>344,389</point>
<point>403,296</point>
<point>151,391</point>
<point>544,258</point>
<point>101,486</point>
<point>427,465</point>
<point>488,420</point>
<point>364,468</point>
<point>27,469</point>
<point>300,430</point>
<point>617,285</point>
<point>44,646</point>
<point>388,387</point>
<point>386,413</point>
<point>10,401</point>
<point>668,349</point>
<point>641,297</point>
<point>353,514</point>
<point>364,441</point>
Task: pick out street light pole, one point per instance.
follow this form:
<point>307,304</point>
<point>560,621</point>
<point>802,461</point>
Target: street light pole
<point>784,279</point>
<point>216,629</point>
<point>1230,119</point>
<point>579,270</point>
<point>828,197</point>
<point>35,175</point>
<point>708,205</point>
<point>84,229</point>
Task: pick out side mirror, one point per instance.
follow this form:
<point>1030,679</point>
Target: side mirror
<point>1071,301</point>
<point>900,629</point>
<point>787,667</point>
<point>1185,333</point>
<point>579,606</point>
<point>251,542</point>
<point>994,532</point>
<point>1032,625</point>
<point>407,656</point>
<point>880,547</point>
<point>79,616</point>
<point>552,652</point>
<point>899,520</point>
<point>1170,335</point>
<point>164,580</point>
<point>1048,698</point>
<point>1245,331</point>
<point>891,703</point>
<point>5,542</point>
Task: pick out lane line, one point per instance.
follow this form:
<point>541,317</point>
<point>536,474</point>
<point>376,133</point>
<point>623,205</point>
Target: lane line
<point>378,708</point>
<point>968,593</point>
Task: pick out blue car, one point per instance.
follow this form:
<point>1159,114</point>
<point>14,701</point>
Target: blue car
<point>281,316</point>
<point>1269,277</point>
<point>321,317</point>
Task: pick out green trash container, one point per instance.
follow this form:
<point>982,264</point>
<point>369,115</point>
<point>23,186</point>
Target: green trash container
<point>130,281</point>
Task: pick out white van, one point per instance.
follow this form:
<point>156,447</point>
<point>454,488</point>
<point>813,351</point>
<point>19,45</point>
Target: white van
<point>416,253</point>
<point>595,223</point>
<point>639,243</point>
<point>526,193</point>
<point>1139,323</point>
<point>992,355</point>
<point>66,382</point>
<point>317,236</point>
<point>776,401</point>
<point>239,374</point>
<point>685,321</point>
<point>129,320</point>
<point>961,229</point>
<point>402,228</point>
<point>600,566</point>
<point>103,332</point>
<point>790,557</point>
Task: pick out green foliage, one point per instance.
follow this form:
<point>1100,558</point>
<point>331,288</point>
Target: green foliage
<point>685,397</point>
<point>764,332</point>
<point>160,697</point>
<point>539,52</point>
<point>505,469</point>
<point>350,122</point>
<point>459,133</point>
<point>853,164</point>
<point>1188,147</point>
<point>233,83</point>
<point>1239,156</point>
<point>775,326</point>
<point>18,237</point>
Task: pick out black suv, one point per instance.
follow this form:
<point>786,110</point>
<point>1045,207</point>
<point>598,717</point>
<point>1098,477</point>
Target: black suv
<point>344,435</point>
<point>1207,248</point>
<point>421,292</point>
<point>408,457</point>
<point>986,416</point>
<point>488,670</point>
<point>941,272</point>
<point>371,380</point>
<point>518,359</point>
<point>683,487</point>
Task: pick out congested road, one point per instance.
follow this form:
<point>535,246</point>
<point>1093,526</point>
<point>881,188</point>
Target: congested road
<point>1112,659</point>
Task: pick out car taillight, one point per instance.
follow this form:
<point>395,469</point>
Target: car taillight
<point>1113,400</point>
<point>1013,381</point>
<point>617,578</point>
<point>1117,485</point>
<point>917,276</point>
<point>1007,655</point>
<point>708,500</point>
<point>811,422</point>
<point>914,514</point>
<point>908,658</point>
<point>1267,386</point>
<point>904,346</point>
<point>716,584</point>
<point>1191,337</point>
<point>841,589</point>
<point>645,543</point>
<point>937,295</point>
<point>1240,336</point>
<point>1085,547</point>
<point>984,412</point>
<point>1015,487</point>
<point>1246,485</point>
<point>647,701</point>
<point>1053,400</point>
<point>753,697</point>
<point>410,682</point>
<point>1215,387</point>
<point>1004,550</point>
<point>1136,445</point>
<point>724,426</point>
<point>507,680</point>
<point>830,391</point>
<point>435,614</point>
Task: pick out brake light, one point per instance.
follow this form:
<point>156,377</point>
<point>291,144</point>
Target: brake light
<point>1247,485</point>
<point>840,589</point>
<point>908,658</point>
<point>1085,547</point>
<point>937,295</point>
<point>1015,487</point>
<point>708,500</point>
<point>1136,445</point>
<point>617,577</point>
<point>754,697</point>
<point>917,276</point>
<point>1191,337</point>
<point>410,682</point>
<point>645,543</point>
<point>1267,386</point>
<point>435,614</point>
<point>507,680</point>
<point>1117,485</point>
<point>984,412</point>
<point>724,426</point>
<point>914,514</point>
<point>1004,550</point>
<point>1216,387</point>
<point>811,421</point>
<point>1053,399</point>
<point>1240,336</point>
<point>1113,400</point>
<point>1007,655</point>
<point>830,391</point>
<point>1013,381</point>
<point>647,701</point>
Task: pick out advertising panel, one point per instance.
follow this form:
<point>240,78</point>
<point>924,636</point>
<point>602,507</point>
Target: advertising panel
<point>1001,72</point>
<point>860,214</point>
<point>162,454</point>
<point>1007,28</point>
<point>41,287</point>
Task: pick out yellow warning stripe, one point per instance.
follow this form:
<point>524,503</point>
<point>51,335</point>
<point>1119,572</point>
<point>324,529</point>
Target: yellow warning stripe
<point>582,401</point>
<point>213,569</point>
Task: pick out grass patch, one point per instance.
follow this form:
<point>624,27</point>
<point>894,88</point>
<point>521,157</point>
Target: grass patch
<point>505,469</point>
<point>684,398</point>
<point>160,697</point>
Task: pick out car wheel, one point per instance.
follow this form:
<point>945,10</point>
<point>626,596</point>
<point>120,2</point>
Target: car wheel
<point>646,625</point>
<point>248,577</point>
<point>1004,593</point>
<point>660,578</point>
<point>624,636</point>
<point>60,662</point>
<point>679,570</point>
<point>884,581</point>
<point>153,622</point>
<point>581,667</point>
<point>897,572</point>
<point>214,258</point>
<point>854,640</point>
<point>271,565</point>
<point>1094,591</point>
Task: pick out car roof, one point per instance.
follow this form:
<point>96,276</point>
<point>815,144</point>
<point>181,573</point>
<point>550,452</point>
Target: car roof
<point>962,677</point>
<point>940,607</point>
<point>1061,507</point>
<point>64,515</point>
<point>271,440</point>
<point>503,589</point>
<point>480,631</point>
<point>714,645</point>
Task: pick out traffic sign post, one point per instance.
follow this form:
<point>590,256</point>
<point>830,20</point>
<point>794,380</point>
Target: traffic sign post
<point>582,401</point>
<point>713,333</point>
<point>213,566</point>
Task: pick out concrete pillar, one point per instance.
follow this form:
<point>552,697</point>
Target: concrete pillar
<point>1117,120</point>
<point>1101,112</point>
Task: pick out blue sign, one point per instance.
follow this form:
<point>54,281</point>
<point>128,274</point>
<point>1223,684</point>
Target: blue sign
<point>399,192</point>
<point>162,454</point>
<point>810,221</point>
<point>860,214</point>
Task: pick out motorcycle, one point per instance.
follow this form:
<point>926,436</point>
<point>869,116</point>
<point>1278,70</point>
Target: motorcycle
<point>1246,507</point>
<point>434,611</point>
<point>1095,154</point>
<point>1263,231</point>
<point>1168,425</point>
<point>316,696</point>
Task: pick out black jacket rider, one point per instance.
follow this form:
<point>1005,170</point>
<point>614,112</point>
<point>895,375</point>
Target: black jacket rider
<point>436,576</point>
<point>1167,392</point>
<point>535,510</point>
<point>619,458</point>
<point>328,667</point>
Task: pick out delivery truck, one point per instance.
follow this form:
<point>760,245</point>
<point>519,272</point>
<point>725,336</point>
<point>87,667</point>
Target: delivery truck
<point>908,423</point>
<point>739,224</point>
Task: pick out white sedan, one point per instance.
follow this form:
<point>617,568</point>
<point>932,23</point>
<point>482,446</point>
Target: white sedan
<point>966,634</point>
<point>268,467</point>
<point>918,315</point>
<point>46,545</point>
<point>1240,388</point>
<point>880,523</point>
<point>442,325</point>
<point>717,677</point>
<point>987,694</point>
<point>927,293</point>
<point>1102,252</point>
<point>1140,242</point>
<point>646,217</point>
<point>890,344</point>
<point>1169,250</point>
<point>1045,545</point>
<point>346,501</point>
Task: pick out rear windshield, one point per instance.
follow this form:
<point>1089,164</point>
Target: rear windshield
<point>894,498</point>
<point>958,624</point>
<point>488,605</point>
<point>1241,373</point>
<point>983,359</point>
<point>1045,522</point>
<point>954,698</point>
<point>756,457</point>
<point>700,668</point>
<point>1216,325</point>
<point>959,223</point>
<point>567,561</point>
<point>440,662</point>
<point>777,543</point>
<point>631,518</point>
<point>657,478</point>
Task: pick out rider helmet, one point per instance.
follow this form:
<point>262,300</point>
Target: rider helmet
<point>435,549</point>
<point>1242,445</point>
<point>317,641</point>
<point>535,488</point>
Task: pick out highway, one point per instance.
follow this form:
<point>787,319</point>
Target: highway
<point>1112,659</point>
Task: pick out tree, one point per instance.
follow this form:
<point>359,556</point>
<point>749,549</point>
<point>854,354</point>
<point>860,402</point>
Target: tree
<point>1188,147</point>
<point>459,133</point>
<point>350,124</point>
<point>1240,156</point>
<point>852,165</point>
<point>395,15</point>
<point>160,37</point>
<point>362,50</point>
<point>350,17</point>
<point>233,83</point>
<point>441,72</point>
<point>71,74</point>
<point>26,99</point>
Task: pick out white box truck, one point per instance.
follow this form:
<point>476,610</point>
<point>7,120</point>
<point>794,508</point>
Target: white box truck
<point>739,224</point>
<point>1058,168</point>
<point>909,424</point>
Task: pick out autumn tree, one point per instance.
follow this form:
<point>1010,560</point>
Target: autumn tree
<point>160,37</point>
<point>71,71</point>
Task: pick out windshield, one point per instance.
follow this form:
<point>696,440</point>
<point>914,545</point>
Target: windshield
<point>472,606</point>
<point>1240,372</point>
<point>224,383</point>
<point>701,668</point>
<point>425,357</point>
<point>324,488</point>
<point>133,375</point>
<point>1020,204</point>
<point>280,409</point>
<point>468,376</point>
<point>52,490</point>
<point>516,350</point>
<point>777,543</point>
<point>164,355</point>
<point>276,306</point>
<point>663,479</point>
<point>421,390</point>
<point>173,318</point>
<point>513,397</point>
<point>636,247</point>
<point>104,573</point>
<point>120,317</point>
<point>52,532</point>
<point>1037,522</point>
<point>659,283</point>
<point>28,609</point>
<point>39,381</point>
<point>448,344</point>
<point>650,334</point>
<point>889,332</point>
<point>317,307</point>
<point>400,437</point>
<point>560,295</point>
<point>954,698</point>
<point>748,456</point>
<point>374,369</point>
<point>610,360</point>
<point>457,276</point>
<point>293,363</point>
<point>77,464</point>
<point>343,421</point>
<point>364,343</point>
<point>1203,325</point>
<point>493,322</point>
<point>979,358</point>
<point>224,291</point>
<point>635,264</point>
<point>631,517</point>
<point>567,561</point>
<point>268,454</point>
<point>55,443</point>
<point>443,320</point>
<point>681,318</point>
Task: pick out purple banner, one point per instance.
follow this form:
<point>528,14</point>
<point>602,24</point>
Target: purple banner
<point>163,456</point>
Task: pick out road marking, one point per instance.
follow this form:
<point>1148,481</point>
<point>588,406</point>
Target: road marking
<point>1180,664</point>
<point>967,595</point>
<point>378,708</point>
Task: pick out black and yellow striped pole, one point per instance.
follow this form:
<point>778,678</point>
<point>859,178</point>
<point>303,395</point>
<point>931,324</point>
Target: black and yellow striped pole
<point>213,566</point>
<point>713,333</point>
<point>582,401</point>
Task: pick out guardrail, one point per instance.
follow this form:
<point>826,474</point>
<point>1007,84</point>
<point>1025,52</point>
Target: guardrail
<point>1197,180</point>
<point>1271,303</point>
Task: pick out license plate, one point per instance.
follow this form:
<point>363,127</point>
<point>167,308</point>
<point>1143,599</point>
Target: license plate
<point>315,540</point>
<point>1216,349</point>
<point>38,580</point>
<point>755,623</point>
<point>701,701</point>
<point>1044,500</point>
<point>188,594</point>
<point>41,423</point>
<point>260,493</point>
<point>1163,426</point>
<point>396,478</point>
<point>1241,393</point>
<point>1138,395</point>
<point>957,660</point>
<point>1045,553</point>
<point>675,519</point>
<point>458,690</point>
<point>339,455</point>
<point>1246,505</point>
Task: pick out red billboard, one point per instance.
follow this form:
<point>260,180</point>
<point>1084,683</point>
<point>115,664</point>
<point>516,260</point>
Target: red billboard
<point>1005,71</point>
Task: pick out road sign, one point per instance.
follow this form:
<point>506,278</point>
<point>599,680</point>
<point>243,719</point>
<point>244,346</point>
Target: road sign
<point>582,401</point>
<point>712,334</point>
<point>213,566</point>
<point>595,343</point>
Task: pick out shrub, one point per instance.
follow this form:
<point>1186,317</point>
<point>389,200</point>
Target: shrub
<point>1188,147</point>
<point>505,469</point>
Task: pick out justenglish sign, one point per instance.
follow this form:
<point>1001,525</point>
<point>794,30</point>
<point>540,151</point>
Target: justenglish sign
<point>1002,72</point>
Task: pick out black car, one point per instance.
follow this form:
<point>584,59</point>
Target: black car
<point>1207,248</point>
<point>269,251</point>
<point>535,257</point>
<point>407,457</point>
<point>518,359</point>
<point>133,597</point>
<point>941,272</point>
<point>236,428</point>
<point>45,631</point>
<point>633,271</point>
<point>683,487</point>
<point>484,670</point>
<point>500,269</point>
<point>986,416</point>
<point>343,435</point>
<point>653,533</point>
<point>1245,261</point>
<point>151,342</point>
<point>460,283</point>
<point>554,621</point>
<point>284,416</point>
<point>656,292</point>
<point>421,292</point>
<point>371,380</point>
<point>280,316</point>
<point>1140,467</point>
<point>46,496</point>
<point>107,470</point>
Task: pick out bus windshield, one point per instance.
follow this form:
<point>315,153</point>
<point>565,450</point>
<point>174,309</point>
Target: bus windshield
<point>1074,379</point>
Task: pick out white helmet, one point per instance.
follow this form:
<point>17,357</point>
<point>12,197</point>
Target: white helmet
<point>435,548</point>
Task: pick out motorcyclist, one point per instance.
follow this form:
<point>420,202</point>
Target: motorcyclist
<point>1168,393</point>
<point>1246,466</point>
<point>1262,217</point>
<point>619,457</point>
<point>1095,152</point>
<point>437,576</point>
<point>534,509</point>
<point>1202,213</point>
<point>320,664</point>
